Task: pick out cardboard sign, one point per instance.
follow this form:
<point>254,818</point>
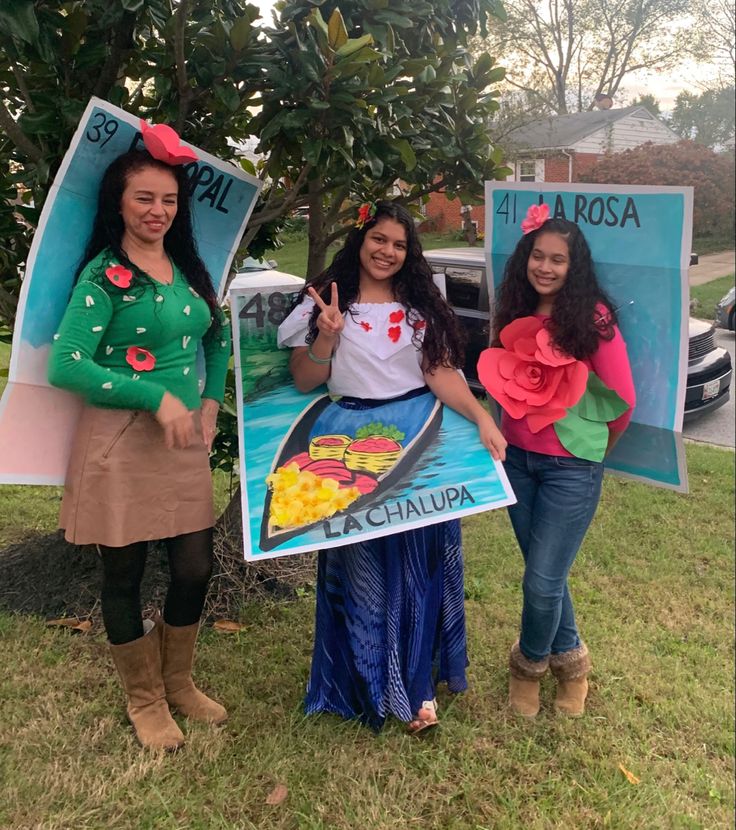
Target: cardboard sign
<point>640,240</point>
<point>37,422</point>
<point>316,475</point>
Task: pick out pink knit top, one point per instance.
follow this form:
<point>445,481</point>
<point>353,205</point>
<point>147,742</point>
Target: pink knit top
<point>611,363</point>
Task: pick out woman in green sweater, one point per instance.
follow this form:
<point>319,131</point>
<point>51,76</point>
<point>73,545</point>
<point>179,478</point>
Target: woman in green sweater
<point>139,468</point>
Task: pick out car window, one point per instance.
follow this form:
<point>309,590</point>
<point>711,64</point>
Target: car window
<point>466,287</point>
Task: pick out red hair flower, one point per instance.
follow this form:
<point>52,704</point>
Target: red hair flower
<point>119,275</point>
<point>530,377</point>
<point>366,212</point>
<point>140,359</point>
<point>536,216</point>
<point>164,144</point>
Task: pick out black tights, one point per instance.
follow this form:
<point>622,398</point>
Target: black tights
<point>190,566</point>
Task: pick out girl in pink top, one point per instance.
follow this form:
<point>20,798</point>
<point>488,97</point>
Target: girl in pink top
<point>559,369</point>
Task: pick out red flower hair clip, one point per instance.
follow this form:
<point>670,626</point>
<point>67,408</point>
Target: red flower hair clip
<point>536,216</point>
<point>164,144</point>
<point>366,212</point>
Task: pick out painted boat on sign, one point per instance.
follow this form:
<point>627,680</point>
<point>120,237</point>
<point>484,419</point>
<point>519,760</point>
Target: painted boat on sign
<point>352,452</point>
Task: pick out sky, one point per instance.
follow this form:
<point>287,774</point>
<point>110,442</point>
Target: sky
<point>665,86</point>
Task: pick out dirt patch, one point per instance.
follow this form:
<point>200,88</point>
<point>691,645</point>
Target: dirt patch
<point>47,576</point>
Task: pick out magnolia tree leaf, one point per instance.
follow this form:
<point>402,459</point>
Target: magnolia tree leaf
<point>240,33</point>
<point>337,34</point>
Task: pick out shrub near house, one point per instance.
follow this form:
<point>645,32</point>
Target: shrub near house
<point>685,163</point>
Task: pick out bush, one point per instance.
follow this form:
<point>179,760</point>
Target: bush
<point>681,164</point>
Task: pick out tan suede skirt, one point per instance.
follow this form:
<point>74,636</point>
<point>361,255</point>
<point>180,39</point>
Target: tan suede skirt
<point>123,485</point>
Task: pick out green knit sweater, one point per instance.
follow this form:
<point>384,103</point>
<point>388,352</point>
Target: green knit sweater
<point>126,339</point>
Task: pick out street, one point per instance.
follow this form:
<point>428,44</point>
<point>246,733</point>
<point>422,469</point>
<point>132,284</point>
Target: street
<point>717,427</point>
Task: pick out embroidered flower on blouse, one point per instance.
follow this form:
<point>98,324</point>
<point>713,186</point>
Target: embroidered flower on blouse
<point>119,275</point>
<point>365,325</point>
<point>140,359</point>
<point>530,377</point>
<point>394,333</point>
<point>396,316</point>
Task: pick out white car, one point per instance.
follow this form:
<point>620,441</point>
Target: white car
<point>254,273</point>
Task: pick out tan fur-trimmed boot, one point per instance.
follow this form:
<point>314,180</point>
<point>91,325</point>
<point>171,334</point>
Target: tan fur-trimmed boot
<point>571,670</point>
<point>139,666</point>
<point>524,677</point>
<point>177,656</point>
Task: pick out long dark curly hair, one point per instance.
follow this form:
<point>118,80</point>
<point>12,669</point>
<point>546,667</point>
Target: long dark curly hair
<point>575,325</point>
<point>413,287</point>
<point>108,228</point>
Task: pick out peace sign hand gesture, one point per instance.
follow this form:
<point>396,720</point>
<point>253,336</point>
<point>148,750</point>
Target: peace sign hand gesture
<point>330,321</point>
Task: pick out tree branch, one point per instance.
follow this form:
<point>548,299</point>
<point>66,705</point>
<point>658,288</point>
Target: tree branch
<point>17,136</point>
<point>22,88</point>
<point>111,68</point>
<point>182,82</point>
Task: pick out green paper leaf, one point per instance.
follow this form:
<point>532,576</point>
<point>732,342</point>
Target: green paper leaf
<point>599,403</point>
<point>581,437</point>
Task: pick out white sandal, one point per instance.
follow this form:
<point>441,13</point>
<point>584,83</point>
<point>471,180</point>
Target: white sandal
<point>425,719</point>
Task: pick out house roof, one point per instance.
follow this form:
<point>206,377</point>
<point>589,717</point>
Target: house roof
<point>562,131</point>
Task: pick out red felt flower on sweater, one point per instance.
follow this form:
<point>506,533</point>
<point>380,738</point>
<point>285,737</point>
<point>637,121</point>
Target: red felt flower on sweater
<point>396,316</point>
<point>394,333</point>
<point>365,325</point>
<point>119,275</point>
<point>419,325</point>
<point>140,359</point>
<point>530,377</point>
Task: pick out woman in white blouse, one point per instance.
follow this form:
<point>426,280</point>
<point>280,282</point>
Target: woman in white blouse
<point>390,621</point>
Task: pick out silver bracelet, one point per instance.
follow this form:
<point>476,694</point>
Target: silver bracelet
<point>322,361</point>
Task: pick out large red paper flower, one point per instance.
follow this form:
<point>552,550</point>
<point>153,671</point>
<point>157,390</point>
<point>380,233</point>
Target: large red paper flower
<point>140,359</point>
<point>164,144</point>
<point>530,377</point>
<point>119,275</point>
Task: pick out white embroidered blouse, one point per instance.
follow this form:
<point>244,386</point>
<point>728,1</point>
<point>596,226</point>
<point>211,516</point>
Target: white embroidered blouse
<point>374,357</point>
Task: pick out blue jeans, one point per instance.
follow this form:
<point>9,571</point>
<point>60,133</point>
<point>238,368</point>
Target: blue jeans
<point>557,498</point>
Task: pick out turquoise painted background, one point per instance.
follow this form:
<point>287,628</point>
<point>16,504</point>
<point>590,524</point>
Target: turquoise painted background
<point>218,210</point>
<point>637,260</point>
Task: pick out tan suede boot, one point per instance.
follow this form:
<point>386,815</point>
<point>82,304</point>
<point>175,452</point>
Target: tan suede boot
<point>139,666</point>
<point>524,677</point>
<point>571,670</point>
<point>177,656</point>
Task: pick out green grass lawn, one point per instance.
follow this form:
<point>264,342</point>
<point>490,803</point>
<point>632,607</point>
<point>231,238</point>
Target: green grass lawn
<point>703,245</point>
<point>654,592</point>
<point>708,294</point>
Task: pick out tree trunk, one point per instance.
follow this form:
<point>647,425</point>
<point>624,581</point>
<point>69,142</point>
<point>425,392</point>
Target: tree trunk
<point>317,230</point>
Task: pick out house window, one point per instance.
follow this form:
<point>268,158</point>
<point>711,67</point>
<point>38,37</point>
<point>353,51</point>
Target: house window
<point>530,170</point>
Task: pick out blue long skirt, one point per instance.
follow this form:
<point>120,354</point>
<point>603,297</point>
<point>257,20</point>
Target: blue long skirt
<point>390,625</point>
